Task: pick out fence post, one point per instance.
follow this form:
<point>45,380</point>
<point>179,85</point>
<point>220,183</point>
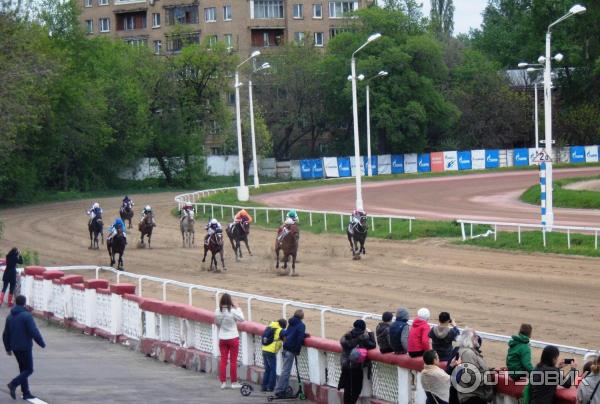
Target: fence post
<point>232,216</point>
<point>495,232</point>
<point>462,231</point>
<point>569,239</point>
<point>222,214</point>
<point>410,225</point>
<point>204,209</point>
<point>255,217</point>
<point>595,239</point>
<point>267,210</point>
<point>544,236</point>
<point>389,225</point>
<point>372,223</point>
<point>212,211</point>
<point>342,222</point>
<point>519,233</point>
<point>281,215</point>
<point>471,230</point>
<point>310,217</point>
<point>325,220</point>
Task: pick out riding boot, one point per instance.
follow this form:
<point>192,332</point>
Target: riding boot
<point>10,300</point>
<point>1,298</point>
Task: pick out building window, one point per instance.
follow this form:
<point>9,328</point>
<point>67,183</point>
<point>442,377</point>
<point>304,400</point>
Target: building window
<point>182,15</point>
<point>227,13</point>
<point>210,14</point>
<point>231,98</point>
<point>131,21</point>
<point>299,38</point>
<point>318,39</point>
<point>212,40</point>
<point>339,9</point>
<point>136,42</point>
<point>89,26</point>
<point>298,10</point>
<point>228,39</point>
<point>103,2</point>
<point>264,9</point>
<point>317,10</point>
<point>176,43</point>
<point>87,3</point>
<point>157,46</point>
<point>336,31</point>
<point>266,39</point>
<point>155,20</point>
<point>104,24</point>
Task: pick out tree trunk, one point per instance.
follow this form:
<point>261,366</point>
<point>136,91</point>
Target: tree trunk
<point>164,167</point>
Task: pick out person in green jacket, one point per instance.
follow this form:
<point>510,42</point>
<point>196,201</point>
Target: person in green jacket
<point>518,358</point>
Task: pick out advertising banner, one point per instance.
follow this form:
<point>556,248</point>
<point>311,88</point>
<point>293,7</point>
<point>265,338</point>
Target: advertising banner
<point>492,158</point>
<point>331,167</point>
<point>397,163</point>
<point>373,165</point>
<point>464,160</point>
<point>344,169</point>
<point>317,168</point>
<point>577,154</point>
<point>384,164</point>
<point>591,154</point>
<point>532,154</point>
<point>305,169</point>
<point>424,163</point>
<point>362,166</point>
<point>478,159</point>
<point>450,161</point>
<point>437,161</point>
<point>521,157</point>
<point>410,163</point>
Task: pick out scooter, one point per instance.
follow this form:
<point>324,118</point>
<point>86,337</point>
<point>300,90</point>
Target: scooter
<point>247,389</point>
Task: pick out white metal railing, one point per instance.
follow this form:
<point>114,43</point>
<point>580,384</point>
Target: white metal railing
<point>568,230</point>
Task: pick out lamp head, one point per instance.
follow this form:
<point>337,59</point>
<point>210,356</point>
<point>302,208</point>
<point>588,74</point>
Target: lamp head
<point>577,9</point>
<point>255,54</point>
<point>361,77</point>
<point>541,60</point>
<point>374,37</point>
<point>382,73</point>
<point>265,65</point>
<point>531,69</point>
<point>522,65</point>
<point>559,57</point>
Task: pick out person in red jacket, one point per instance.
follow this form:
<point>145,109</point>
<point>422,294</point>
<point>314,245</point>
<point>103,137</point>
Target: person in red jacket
<point>418,336</point>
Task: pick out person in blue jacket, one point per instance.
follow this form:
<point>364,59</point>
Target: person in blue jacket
<point>293,340</point>
<point>19,333</point>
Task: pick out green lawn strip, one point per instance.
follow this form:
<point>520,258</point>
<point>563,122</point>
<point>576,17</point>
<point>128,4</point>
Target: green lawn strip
<point>566,198</point>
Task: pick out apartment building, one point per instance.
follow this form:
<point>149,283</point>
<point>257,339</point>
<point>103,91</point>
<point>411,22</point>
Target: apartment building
<point>244,25</point>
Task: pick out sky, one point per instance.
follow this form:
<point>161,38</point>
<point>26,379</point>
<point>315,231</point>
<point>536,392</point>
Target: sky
<point>467,14</point>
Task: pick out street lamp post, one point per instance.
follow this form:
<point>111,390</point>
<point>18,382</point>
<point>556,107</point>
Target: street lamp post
<point>359,199</point>
<point>251,102</point>
<point>243,193</point>
<point>531,69</point>
<point>369,165</point>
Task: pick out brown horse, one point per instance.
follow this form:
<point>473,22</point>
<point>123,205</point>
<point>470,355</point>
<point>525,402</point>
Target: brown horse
<point>146,226</point>
<point>95,227</point>
<point>126,213</point>
<point>357,235</point>
<point>215,246</point>
<point>288,241</point>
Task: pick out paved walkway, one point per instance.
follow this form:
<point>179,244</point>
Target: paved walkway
<point>76,368</point>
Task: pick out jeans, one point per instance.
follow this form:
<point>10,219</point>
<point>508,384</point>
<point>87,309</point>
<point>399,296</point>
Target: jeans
<point>286,369</point>
<point>270,376</point>
<point>25,361</point>
<point>229,350</point>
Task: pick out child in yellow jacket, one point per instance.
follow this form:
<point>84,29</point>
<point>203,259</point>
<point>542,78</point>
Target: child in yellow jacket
<point>271,345</point>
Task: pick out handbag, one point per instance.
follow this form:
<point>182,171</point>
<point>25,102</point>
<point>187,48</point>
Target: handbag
<point>593,392</point>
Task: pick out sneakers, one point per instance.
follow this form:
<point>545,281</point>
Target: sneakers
<point>28,396</point>
<point>236,385</point>
<point>223,386</point>
<point>12,390</point>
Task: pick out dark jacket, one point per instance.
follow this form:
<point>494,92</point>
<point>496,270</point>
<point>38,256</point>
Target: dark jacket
<point>545,393</point>
<point>20,331</point>
<point>518,358</point>
<point>442,338</point>
<point>383,337</point>
<point>351,340</point>
<point>399,330</point>
<point>294,336</point>
<point>10,272</point>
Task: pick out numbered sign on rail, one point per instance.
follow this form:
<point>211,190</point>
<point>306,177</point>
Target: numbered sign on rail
<point>542,156</point>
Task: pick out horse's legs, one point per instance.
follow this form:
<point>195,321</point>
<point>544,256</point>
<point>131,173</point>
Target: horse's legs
<point>238,247</point>
<point>222,259</point>
<point>293,264</point>
<point>120,262</point>
<point>183,238</point>
<point>205,252</point>
<point>150,240</point>
<point>277,254</point>
<point>247,246</point>
<point>351,243</point>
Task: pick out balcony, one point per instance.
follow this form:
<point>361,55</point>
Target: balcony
<point>131,21</point>
<point>266,38</point>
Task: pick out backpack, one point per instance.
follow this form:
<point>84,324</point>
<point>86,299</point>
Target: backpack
<point>357,356</point>
<point>268,336</point>
<point>396,329</point>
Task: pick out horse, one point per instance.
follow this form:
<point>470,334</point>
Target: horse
<point>238,232</point>
<point>288,242</point>
<point>145,227</point>
<point>95,227</point>
<point>187,231</point>
<point>357,234</point>
<point>126,213</point>
<point>215,246</point>
<point>116,245</point>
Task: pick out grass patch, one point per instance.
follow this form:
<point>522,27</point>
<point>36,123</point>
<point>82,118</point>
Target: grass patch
<point>566,198</point>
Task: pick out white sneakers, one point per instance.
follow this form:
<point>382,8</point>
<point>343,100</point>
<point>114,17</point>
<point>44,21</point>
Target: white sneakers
<point>233,385</point>
<point>223,386</point>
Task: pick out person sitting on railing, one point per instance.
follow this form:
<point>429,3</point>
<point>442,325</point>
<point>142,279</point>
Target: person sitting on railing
<point>587,392</point>
<point>435,381</point>
<point>293,336</point>
<point>355,344</point>
<point>470,356</point>
<point>383,333</point>
<point>518,358</point>
<point>399,331</point>
<point>271,344</point>
<point>443,335</point>
<point>546,376</point>
<point>418,337</point>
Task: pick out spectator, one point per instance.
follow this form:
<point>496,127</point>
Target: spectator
<point>518,358</point>
<point>469,353</point>
<point>294,336</point>
<point>383,333</point>
<point>435,381</point>
<point>545,377</point>
<point>19,333</point>
<point>226,318</point>
<point>9,279</point>
<point>269,351</point>
<point>443,335</point>
<point>418,337</point>
<point>399,330</point>
<point>587,392</point>
<point>351,379</point>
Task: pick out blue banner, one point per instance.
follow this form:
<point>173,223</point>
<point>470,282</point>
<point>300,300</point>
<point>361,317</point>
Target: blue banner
<point>521,157</point>
<point>577,154</point>
<point>317,168</point>
<point>424,163</point>
<point>344,166</point>
<point>373,164</point>
<point>464,160</point>
<point>492,158</point>
<point>311,169</point>
<point>397,163</point>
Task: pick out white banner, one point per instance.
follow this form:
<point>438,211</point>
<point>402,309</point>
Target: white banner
<point>591,154</point>
<point>384,163</point>
<point>295,169</point>
<point>450,161</point>
<point>478,159</point>
<point>331,167</point>
<point>362,166</point>
<point>410,163</point>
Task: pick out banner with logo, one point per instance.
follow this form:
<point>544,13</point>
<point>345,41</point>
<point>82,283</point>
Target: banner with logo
<point>437,161</point>
<point>362,166</point>
<point>577,154</point>
<point>344,169</point>
<point>306,169</point>
<point>424,163</point>
<point>317,168</point>
<point>374,165</point>
<point>450,161</point>
<point>478,159</point>
<point>521,157</point>
<point>464,160</point>
<point>397,163</point>
<point>331,167</point>
<point>384,164</point>
<point>591,154</point>
<point>410,163</point>
<point>492,158</point>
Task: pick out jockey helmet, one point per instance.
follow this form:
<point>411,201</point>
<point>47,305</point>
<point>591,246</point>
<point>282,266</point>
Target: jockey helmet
<point>126,197</point>
<point>95,205</point>
<point>292,213</point>
<point>148,208</point>
<point>214,222</point>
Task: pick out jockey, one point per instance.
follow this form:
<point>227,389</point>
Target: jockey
<point>241,215</point>
<point>187,211</point>
<point>356,215</point>
<point>293,215</point>
<point>95,211</point>
<point>285,228</point>
<point>147,211</point>
<point>211,228</point>
<point>112,230</point>
<point>127,202</point>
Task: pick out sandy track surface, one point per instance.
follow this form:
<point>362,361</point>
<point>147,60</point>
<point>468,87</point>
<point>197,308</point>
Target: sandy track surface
<point>591,185</point>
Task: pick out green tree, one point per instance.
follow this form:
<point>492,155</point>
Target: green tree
<point>441,18</point>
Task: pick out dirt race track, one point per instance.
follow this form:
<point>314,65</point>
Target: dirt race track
<point>489,290</point>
